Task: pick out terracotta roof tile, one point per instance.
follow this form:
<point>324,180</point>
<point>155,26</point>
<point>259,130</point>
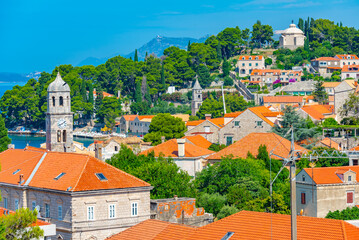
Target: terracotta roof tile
<point>324,59</point>
<point>194,123</point>
<point>170,149</point>
<point>250,57</point>
<point>318,112</point>
<point>129,117</point>
<point>259,111</point>
<point>217,121</point>
<point>199,141</point>
<point>330,84</point>
<point>282,99</point>
<point>146,117</point>
<point>328,175</point>
<point>330,143</point>
<point>154,230</point>
<point>345,57</point>
<point>232,114</point>
<point>251,143</point>
<point>260,72</point>
<point>79,171</point>
<point>350,68</point>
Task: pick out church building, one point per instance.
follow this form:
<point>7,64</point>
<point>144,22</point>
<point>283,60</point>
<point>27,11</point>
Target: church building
<point>291,38</point>
<point>197,99</point>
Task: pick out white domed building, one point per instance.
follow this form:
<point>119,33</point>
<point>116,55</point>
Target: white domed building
<point>291,38</point>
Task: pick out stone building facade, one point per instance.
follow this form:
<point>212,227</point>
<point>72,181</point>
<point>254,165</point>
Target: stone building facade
<point>59,118</point>
<point>291,38</point>
<point>197,98</point>
<point>325,66</point>
<point>246,64</point>
<point>347,59</point>
<point>341,94</point>
<point>209,129</point>
<point>320,190</point>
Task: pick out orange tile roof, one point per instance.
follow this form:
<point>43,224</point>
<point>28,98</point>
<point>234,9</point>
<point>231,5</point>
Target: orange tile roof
<point>251,143</point>
<point>350,68</point>
<point>335,68</point>
<point>355,148</point>
<point>324,59</point>
<point>259,111</point>
<point>199,141</point>
<point>330,143</point>
<point>3,212</point>
<point>194,123</point>
<point>104,94</point>
<point>282,99</point>
<point>146,116</point>
<point>272,114</point>
<point>265,226</point>
<point>79,171</point>
<point>152,229</point>
<point>318,111</point>
<point>232,114</point>
<point>328,175</point>
<point>129,117</point>
<point>217,121</point>
<point>345,57</point>
<point>170,149</point>
<point>330,84</point>
<point>250,57</point>
<point>260,72</point>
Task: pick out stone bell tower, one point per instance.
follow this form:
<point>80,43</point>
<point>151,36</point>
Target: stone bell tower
<point>59,118</point>
<point>196,97</point>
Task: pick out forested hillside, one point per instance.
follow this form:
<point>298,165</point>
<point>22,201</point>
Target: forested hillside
<point>144,82</point>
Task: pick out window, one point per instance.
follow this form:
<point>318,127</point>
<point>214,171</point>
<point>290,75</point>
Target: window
<point>236,123</point>
<point>61,101</point>
<point>134,209</point>
<point>302,198</point>
<point>349,178</point>
<point>243,64</point>
<point>53,101</point>
<point>303,178</point>
<point>59,176</point>
<point>257,64</point>
<point>64,136</point>
<point>116,148</point>
<point>16,203</point>
<point>33,205</point>
<point>59,212</point>
<point>47,210</point>
<point>90,213</point>
<point>5,202</point>
<point>101,176</point>
<point>16,172</point>
<point>206,129</point>
<point>58,135</point>
<point>350,197</point>
<point>111,211</point>
<point>259,123</point>
<point>229,140</point>
<point>250,64</point>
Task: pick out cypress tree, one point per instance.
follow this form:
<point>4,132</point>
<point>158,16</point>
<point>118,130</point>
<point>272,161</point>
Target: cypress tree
<point>146,55</point>
<point>219,51</point>
<point>99,98</point>
<point>136,56</point>
<point>301,24</point>
<point>90,94</point>
<point>163,81</point>
<point>138,94</point>
<point>4,139</point>
<point>189,46</point>
<point>83,90</point>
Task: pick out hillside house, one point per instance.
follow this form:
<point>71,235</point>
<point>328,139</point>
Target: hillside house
<point>347,59</point>
<point>208,128</point>
<point>325,66</point>
<point>350,71</point>
<point>246,64</point>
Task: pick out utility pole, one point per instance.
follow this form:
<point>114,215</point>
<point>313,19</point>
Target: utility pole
<point>224,102</point>
<point>293,205</point>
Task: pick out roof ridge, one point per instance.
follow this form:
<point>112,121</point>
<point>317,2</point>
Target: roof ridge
<point>12,167</point>
<point>343,229</point>
<point>80,176</point>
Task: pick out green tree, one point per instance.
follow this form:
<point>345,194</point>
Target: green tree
<point>163,81</point>
<point>189,46</point>
<point>226,211</point>
<point>18,226</point>
<point>330,122</point>
<point>136,56</point>
<point>301,24</point>
<point>228,81</point>
<point>226,68</point>
<point>110,108</point>
<point>230,40</point>
<point>4,139</point>
<point>212,203</point>
<point>320,95</point>
<point>350,107</point>
<point>166,125</point>
<point>268,61</point>
<point>264,205</point>
<point>261,34</point>
<point>163,174</point>
<point>90,98</point>
<point>350,213</point>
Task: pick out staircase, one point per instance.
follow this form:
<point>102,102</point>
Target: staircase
<point>244,90</point>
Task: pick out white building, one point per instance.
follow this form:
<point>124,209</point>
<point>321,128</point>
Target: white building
<point>246,64</point>
<point>291,38</point>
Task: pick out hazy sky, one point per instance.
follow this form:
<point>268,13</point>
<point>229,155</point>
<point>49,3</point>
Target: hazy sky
<point>40,34</point>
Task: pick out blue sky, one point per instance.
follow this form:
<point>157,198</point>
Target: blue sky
<point>40,34</point>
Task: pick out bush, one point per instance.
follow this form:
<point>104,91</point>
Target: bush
<point>226,211</point>
<point>228,81</point>
<point>346,214</point>
<point>212,203</point>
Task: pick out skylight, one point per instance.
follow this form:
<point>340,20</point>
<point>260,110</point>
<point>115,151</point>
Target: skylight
<point>227,236</point>
<point>101,176</point>
<point>16,171</point>
<point>59,176</point>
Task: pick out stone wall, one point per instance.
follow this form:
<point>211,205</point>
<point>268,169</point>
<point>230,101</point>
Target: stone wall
<point>212,136</point>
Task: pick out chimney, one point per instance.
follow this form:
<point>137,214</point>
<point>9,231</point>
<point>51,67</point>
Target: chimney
<point>175,197</point>
<point>208,116</point>
<point>163,138</point>
<point>181,149</point>
<point>98,150</point>
<point>11,146</point>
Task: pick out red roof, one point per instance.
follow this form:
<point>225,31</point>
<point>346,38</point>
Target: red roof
<point>329,175</point>
<point>347,57</point>
<point>282,99</point>
<point>219,122</point>
<point>325,59</point>
<point>318,112</point>
<point>199,141</point>
<point>170,149</point>
<point>251,143</point>
<point>261,111</point>
<point>232,114</point>
<point>330,143</point>
<point>260,72</point>
<point>146,116</point>
<point>80,171</point>
<point>350,68</point>
<point>250,57</point>
<point>129,117</point>
<point>4,211</point>
<point>244,225</point>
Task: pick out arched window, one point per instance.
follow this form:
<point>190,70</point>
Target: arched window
<point>53,101</point>
<point>303,178</point>
<point>64,136</point>
<point>58,135</point>
<point>61,101</point>
<point>116,148</point>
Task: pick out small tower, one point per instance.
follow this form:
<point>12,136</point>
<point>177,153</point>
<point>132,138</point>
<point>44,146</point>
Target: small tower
<point>196,97</point>
<point>59,118</point>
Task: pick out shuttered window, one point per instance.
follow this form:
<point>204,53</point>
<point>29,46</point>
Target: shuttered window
<point>302,197</point>
<point>350,197</point>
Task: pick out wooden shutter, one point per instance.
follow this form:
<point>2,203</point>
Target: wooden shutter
<point>349,197</point>
<point>302,195</point>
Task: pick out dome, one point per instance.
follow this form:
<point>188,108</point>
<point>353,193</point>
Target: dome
<point>293,30</point>
<point>58,85</point>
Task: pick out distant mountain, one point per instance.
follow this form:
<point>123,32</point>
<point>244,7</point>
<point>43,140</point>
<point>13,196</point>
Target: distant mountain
<point>12,77</point>
<point>156,46</point>
<point>159,44</point>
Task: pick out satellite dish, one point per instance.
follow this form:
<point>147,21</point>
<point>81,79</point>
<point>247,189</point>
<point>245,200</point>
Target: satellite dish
<point>37,208</point>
